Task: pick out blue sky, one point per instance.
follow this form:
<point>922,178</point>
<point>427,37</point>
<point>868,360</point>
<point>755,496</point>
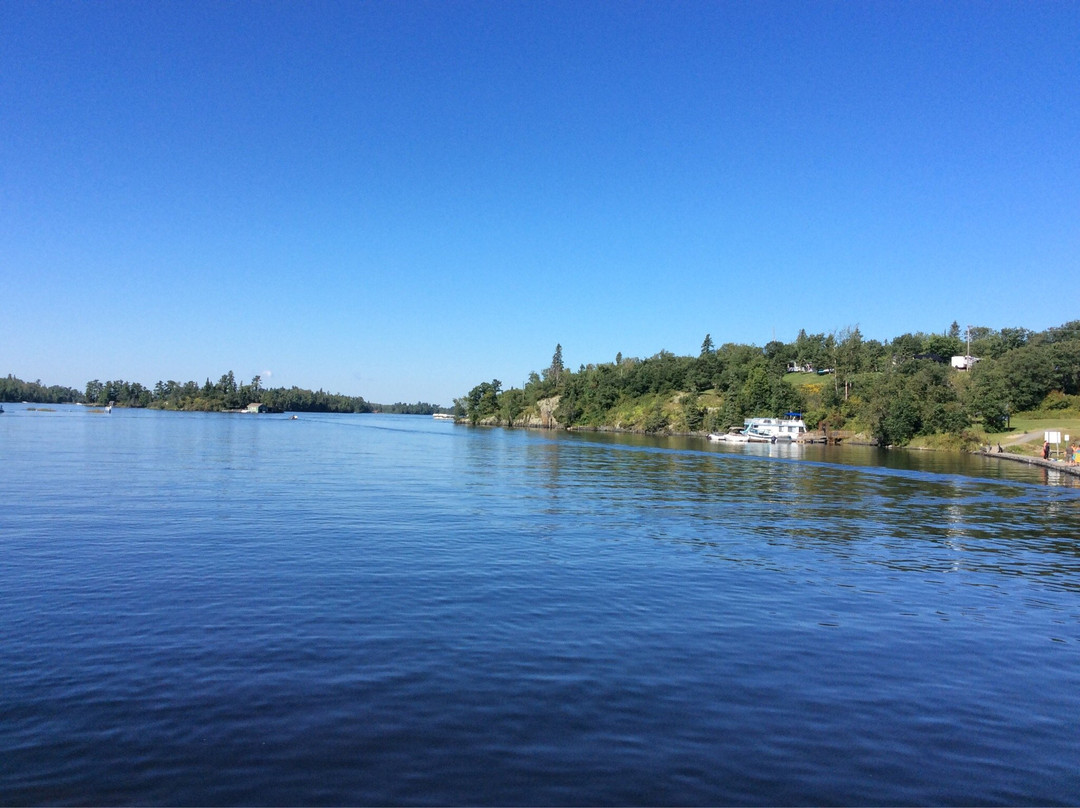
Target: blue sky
<point>399,200</point>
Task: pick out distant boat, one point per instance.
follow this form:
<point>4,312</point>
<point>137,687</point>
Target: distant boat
<point>765,430</point>
<point>442,416</point>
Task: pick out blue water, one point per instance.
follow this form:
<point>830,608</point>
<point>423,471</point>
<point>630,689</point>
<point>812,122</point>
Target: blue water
<point>235,609</point>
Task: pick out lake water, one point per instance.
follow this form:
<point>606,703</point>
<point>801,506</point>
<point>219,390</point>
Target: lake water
<point>235,609</point>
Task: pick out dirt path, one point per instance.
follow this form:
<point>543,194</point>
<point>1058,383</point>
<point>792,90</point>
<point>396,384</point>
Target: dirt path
<point>1023,437</point>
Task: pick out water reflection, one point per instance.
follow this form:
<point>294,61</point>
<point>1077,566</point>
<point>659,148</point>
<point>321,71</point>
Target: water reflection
<point>755,507</point>
<point>372,610</point>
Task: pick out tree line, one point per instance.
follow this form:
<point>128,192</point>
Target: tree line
<point>13,389</point>
<point>892,391</point>
<point>226,394</point>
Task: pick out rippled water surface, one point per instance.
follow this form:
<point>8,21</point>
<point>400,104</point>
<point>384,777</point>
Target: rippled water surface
<point>227,609</point>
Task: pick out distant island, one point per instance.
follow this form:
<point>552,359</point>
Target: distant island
<point>948,390</point>
<point>224,395</point>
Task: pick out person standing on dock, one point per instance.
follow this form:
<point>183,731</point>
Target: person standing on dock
<point>1046,450</point>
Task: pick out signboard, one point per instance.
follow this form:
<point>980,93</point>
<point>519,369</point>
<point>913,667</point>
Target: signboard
<point>1052,437</point>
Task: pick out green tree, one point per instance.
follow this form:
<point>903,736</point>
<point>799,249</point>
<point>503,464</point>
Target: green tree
<point>1065,356</point>
<point>943,345</point>
<point>656,420</point>
<point>227,383</point>
<point>778,356</point>
<point>693,412</point>
<point>511,405</point>
<point>898,423</point>
<point>14,389</point>
<point>905,347</point>
<point>784,397</point>
<point>554,372</point>
<point>812,350</point>
<point>847,358</point>
<point>1019,380</point>
<point>483,401</point>
<point>570,407</point>
<point>93,391</point>
<point>755,396</point>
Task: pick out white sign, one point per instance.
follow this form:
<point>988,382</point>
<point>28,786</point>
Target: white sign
<point>1052,437</point>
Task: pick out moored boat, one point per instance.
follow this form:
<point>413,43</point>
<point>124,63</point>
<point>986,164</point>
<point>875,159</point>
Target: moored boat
<point>765,430</point>
<point>789,428</point>
<point>733,435</point>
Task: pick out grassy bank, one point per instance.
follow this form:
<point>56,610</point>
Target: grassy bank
<point>1027,430</point>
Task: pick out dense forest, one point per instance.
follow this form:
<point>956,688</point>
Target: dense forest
<point>890,392</point>
<point>226,394</point>
<point>12,389</point>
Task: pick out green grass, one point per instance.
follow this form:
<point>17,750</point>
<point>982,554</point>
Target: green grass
<point>1067,422</point>
<point>969,441</point>
<point>800,379</point>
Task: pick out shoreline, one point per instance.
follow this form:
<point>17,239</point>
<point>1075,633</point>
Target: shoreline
<point>843,437</point>
<point>1056,465</point>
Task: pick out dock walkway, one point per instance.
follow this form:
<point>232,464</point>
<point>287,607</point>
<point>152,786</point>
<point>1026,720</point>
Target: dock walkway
<point>1056,465</point>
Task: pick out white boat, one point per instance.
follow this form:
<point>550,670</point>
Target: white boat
<point>733,435</point>
<point>776,429</point>
<point>765,430</point>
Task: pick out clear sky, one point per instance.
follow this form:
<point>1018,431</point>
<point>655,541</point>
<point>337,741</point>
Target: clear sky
<point>400,200</point>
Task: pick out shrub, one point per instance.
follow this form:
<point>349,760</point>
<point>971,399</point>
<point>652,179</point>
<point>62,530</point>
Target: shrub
<point>656,420</point>
<point>1056,400</point>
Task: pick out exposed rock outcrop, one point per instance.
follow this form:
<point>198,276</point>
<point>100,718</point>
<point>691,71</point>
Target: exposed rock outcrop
<point>545,417</point>
<point>542,416</point>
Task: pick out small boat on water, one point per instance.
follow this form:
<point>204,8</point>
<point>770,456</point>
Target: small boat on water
<point>733,435</point>
<point>765,430</point>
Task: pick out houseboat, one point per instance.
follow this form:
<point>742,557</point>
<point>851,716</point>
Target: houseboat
<point>766,430</point>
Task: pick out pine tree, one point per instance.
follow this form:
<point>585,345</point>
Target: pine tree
<point>554,373</point>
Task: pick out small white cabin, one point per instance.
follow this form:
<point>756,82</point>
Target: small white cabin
<point>964,362</point>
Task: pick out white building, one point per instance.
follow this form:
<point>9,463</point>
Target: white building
<point>964,362</point>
